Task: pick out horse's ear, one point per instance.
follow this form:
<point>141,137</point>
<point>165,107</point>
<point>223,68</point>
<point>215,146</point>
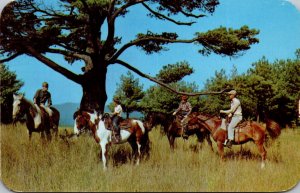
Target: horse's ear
<point>16,96</point>
<point>76,113</point>
<point>105,115</point>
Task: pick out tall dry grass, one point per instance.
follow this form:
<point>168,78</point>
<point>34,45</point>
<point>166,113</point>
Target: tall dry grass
<point>76,166</point>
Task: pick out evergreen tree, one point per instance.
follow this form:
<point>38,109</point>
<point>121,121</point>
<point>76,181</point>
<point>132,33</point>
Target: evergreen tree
<point>8,86</point>
<point>129,92</point>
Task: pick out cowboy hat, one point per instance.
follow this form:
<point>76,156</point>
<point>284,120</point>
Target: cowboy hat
<point>232,92</point>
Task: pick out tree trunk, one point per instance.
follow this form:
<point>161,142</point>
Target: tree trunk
<point>94,90</point>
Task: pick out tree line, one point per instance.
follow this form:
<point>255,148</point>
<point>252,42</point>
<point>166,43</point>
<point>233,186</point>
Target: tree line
<point>266,90</point>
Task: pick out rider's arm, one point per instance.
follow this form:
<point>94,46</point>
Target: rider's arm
<point>190,108</point>
<point>118,110</point>
<point>36,96</point>
<point>49,100</point>
<point>235,104</point>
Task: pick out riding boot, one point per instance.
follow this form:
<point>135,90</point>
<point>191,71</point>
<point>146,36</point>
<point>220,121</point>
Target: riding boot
<point>117,135</point>
<point>228,143</point>
<point>184,132</point>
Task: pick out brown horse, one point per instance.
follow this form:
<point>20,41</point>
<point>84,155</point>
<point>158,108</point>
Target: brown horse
<point>246,131</point>
<point>37,119</point>
<point>173,129</point>
<point>132,131</point>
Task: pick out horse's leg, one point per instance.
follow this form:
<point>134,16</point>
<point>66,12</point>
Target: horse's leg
<point>134,148</point>
<point>48,134</point>
<point>171,139</point>
<point>200,139</point>
<point>262,152</point>
<point>30,134</point>
<point>103,146</point>
<point>221,149</point>
<point>207,136</point>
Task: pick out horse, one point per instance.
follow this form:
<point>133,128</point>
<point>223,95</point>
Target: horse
<point>172,127</point>
<point>101,127</point>
<point>245,132</point>
<point>37,119</point>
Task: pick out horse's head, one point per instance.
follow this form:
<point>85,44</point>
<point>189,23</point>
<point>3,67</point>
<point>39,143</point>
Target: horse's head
<point>149,120</point>
<point>84,120</point>
<point>107,120</point>
<point>18,108</point>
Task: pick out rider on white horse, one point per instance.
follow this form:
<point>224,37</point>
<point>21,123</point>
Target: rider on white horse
<point>116,119</point>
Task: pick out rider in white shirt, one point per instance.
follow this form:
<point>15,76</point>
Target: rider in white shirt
<point>116,117</point>
<point>235,112</point>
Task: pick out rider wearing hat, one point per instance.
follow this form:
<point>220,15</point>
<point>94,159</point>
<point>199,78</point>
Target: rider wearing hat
<point>235,112</point>
<point>185,108</point>
<point>116,118</point>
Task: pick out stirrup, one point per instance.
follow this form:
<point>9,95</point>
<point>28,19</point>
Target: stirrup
<point>225,142</point>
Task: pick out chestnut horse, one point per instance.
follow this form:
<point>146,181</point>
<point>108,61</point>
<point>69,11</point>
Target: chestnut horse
<point>101,128</point>
<point>246,131</point>
<point>173,129</point>
<point>37,119</point>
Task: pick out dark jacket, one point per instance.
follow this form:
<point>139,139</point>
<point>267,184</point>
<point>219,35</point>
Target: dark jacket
<point>41,97</point>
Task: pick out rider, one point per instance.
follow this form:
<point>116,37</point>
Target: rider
<point>235,112</point>
<point>185,108</point>
<point>41,97</point>
<point>116,118</point>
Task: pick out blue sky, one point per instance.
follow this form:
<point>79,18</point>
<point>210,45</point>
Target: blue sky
<point>277,20</point>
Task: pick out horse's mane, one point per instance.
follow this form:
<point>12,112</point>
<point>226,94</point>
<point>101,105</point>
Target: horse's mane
<point>30,103</point>
<point>204,116</point>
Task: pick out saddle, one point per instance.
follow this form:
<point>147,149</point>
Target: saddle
<point>124,124</point>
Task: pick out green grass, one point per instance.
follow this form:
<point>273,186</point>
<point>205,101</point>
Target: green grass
<point>59,166</point>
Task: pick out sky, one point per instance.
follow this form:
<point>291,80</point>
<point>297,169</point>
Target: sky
<point>277,20</point>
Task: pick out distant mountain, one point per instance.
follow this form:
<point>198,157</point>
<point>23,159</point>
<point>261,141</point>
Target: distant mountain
<point>66,113</point>
<point>67,110</point>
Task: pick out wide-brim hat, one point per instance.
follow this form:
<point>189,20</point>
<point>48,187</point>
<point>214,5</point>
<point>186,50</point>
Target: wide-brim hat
<point>116,100</point>
<point>232,92</point>
<point>184,97</point>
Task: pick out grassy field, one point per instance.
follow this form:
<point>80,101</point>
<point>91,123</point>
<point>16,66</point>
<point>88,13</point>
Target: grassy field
<point>59,166</point>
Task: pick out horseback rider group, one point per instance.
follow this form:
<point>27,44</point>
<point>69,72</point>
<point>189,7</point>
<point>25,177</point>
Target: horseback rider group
<point>234,113</point>
<point>182,112</point>
<point>42,96</point>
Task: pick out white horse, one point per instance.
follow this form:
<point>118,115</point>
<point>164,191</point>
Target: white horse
<point>135,133</point>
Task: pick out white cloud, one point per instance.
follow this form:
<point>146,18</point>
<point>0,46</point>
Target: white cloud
<point>296,3</point>
<point>3,4</point>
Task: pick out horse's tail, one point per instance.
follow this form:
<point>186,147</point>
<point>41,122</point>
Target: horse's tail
<point>273,128</point>
<point>55,116</point>
<point>145,141</point>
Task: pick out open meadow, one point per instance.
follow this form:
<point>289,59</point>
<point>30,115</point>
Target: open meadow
<point>76,166</point>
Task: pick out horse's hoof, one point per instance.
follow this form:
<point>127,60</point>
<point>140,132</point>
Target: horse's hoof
<point>262,166</point>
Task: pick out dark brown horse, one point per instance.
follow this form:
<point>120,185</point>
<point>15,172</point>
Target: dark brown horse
<point>172,127</point>
<point>37,119</point>
<point>246,131</point>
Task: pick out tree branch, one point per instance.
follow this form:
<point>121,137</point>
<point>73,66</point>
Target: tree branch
<point>166,85</point>
<point>161,16</point>
<point>111,22</point>
<point>192,15</point>
<point>68,74</point>
<point>10,57</point>
<point>85,58</point>
<point>135,42</point>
